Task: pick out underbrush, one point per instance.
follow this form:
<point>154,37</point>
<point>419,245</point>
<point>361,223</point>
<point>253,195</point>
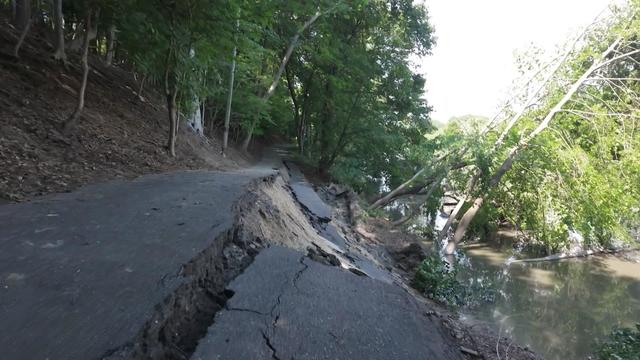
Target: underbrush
<point>622,343</point>
<point>439,281</point>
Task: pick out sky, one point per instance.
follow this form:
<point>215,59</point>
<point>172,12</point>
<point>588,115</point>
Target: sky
<point>472,64</point>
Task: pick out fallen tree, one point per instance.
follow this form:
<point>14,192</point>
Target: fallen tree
<point>600,62</point>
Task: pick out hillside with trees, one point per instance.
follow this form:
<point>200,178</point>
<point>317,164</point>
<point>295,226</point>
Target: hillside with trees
<point>333,77</point>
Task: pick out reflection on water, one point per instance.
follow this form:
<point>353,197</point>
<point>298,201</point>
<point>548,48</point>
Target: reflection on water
<point>558,308</point>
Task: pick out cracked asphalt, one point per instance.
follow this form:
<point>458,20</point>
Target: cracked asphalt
<point>80,273</point>
<point>286,306</point>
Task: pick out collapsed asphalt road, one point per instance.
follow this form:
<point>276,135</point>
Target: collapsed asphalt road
<point>81,273</point>
<point>141,269</point>
<point>286,306</point>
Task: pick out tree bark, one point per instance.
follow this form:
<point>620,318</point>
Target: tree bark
<point>227,114</point>
<point>405,189</point>
<point>523,143</point>
<point>247,139</point>
<point>23,14</point>
<point>454,214</point>
<point>111,40</point>
<point>23,35</point>
<point>296,110</point>
<point>173,122</point>
<point>287,56</point>
<point>14,10</point>
<point>203,107</point>
<point>85,74</point>
<point>170,95</point>
<point>59,54</point>
<point>141,87</point>
<point>468,216</point>
<point>418,205</point>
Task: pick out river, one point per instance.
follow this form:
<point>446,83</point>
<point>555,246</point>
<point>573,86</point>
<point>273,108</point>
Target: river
<point>560,309</point>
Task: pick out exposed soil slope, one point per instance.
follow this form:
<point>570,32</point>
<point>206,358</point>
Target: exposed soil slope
<point>118,135</point>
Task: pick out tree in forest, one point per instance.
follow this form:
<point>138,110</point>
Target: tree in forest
<point>59,53</point>
<point>356,104</point>
<point>276,78</point>
<point>23,20</point>
<point>85,71</point>
<point>334,76</point>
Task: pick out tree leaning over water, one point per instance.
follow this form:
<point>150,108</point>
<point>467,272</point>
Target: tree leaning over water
<point>566,158</point>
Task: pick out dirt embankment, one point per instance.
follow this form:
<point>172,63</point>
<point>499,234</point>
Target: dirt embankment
<point>118,135</point>
<point>476,341</point>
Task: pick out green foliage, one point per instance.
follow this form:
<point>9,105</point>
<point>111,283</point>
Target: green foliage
<point>355,95</point>
<point>579,175</point>
<point>348,96</point>
<point>622,343</point>
<point>438,281</point>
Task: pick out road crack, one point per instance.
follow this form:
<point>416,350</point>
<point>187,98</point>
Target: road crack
<point>299,272</point>
<point>275,313</point>
<point>274,353</point>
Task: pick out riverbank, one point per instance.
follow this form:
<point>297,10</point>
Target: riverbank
<point>562,309</point>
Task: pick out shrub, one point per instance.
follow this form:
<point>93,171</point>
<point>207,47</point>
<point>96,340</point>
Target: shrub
<point>438,281</point>
<point>622,343</point>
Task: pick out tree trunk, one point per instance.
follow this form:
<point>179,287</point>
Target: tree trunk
<point>144,78</point>
<point>170,95</point>
<point>14,9</point>
<point>418,205</point>
<point>111,39</point>
<point>173,122</point>
<point>203,107</point>
<point>23,35</point>
<point>471,184</point>
<point>390,196</point>
<point>297,116</point>
<point>387,198</point>
<point>287,56</point>
<point>248,137</point>
<point>227,114</point>
<point>463,225</point>
<point>23,14</point>
<point>324,126</point>
<point>85,74</point>
<point>59,54</point>
<point>522,144</point>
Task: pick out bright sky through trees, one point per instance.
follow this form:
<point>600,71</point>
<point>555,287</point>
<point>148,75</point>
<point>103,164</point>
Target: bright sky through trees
<point>472,64</point>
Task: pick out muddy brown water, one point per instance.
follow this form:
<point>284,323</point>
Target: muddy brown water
<point>560,309</point>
